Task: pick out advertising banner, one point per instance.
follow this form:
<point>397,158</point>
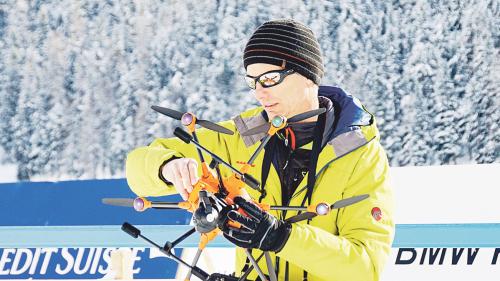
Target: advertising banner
<point>445,230</point>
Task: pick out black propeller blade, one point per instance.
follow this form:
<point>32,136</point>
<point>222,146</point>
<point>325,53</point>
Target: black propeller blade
<point>122,202</point>
<point>337,205</point>
<point>301,217</point>
<point>213,126</point>
<point>264,128</point>
<point>179,116</point>
<point>167,111</point>
<point>348,201</point>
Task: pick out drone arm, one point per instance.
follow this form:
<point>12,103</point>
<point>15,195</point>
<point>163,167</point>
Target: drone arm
<point>143,163</point>
<point>200,153</point>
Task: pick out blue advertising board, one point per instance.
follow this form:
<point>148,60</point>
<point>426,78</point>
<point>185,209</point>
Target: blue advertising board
<point>79,263</point>
<point>64,207</point>
<point>61,230</point>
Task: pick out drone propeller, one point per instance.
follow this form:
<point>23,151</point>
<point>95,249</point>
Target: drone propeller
<point>121,202</point>
<point>264,128</point>
<point>256,130</point>
<point>348,201</point>
<point>140,204</point>
<point>187,119</point>
<point>214,127</point>
<point>168,112</point>
<point>323,209</point>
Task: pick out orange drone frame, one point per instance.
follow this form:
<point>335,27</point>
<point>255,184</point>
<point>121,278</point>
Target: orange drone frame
<point>225,189</point>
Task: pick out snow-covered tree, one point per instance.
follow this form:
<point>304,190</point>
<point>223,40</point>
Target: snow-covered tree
<point>78,78</point>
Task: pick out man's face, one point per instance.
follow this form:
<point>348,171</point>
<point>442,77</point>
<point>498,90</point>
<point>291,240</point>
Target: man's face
<point>288,98</point>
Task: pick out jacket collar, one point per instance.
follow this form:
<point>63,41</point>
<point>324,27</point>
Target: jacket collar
<point>345,114</point>
<point>345,133</point>
<point>349,112</point>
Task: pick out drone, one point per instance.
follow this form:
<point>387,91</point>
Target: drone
<point>213,193</point>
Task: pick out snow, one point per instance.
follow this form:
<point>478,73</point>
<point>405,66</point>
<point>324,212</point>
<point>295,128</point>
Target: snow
<point>8,173</point>
<point>77,78</point>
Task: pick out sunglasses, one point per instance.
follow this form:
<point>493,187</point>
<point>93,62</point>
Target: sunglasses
<point>268,79</point>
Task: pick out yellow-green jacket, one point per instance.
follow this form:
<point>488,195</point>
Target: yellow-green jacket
<point>349,244</point>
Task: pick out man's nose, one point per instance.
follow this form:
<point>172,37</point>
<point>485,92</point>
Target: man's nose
<point>260,91</point>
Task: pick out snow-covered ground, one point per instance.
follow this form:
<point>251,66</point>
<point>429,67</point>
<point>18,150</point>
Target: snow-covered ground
<point>8,172</point>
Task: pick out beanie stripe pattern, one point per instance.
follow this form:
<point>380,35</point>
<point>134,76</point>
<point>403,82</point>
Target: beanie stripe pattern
<point>289,43</point>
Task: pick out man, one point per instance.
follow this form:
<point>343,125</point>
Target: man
<point>326,158</point>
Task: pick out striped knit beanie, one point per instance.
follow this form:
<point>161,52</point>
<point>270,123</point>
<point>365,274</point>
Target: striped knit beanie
<point>288,44</point>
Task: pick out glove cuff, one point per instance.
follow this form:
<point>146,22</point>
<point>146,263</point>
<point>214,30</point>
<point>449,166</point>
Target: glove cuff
<point>282,235</point>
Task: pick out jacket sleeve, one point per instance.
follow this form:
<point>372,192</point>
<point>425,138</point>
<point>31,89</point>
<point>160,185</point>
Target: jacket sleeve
<point>143,163</point>
<point>363,243</point>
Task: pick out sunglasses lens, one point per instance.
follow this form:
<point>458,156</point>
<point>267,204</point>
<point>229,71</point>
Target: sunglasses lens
<point>250,82</point>
<point>270,79</point>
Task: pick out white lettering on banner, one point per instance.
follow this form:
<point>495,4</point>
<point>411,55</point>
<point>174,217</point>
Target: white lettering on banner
<point>79,258</point>
<point>156,253</point>
<point>48,254</point>
<point>136,258</point>
<point>4,260</point>
<point>95,261</point>
<point>16,269</point>
<point>39,261</point>
<point>34,263</point>
<point>70,261</point>
<point>107,259</point>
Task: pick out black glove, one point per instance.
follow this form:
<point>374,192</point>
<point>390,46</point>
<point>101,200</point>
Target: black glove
<point>260,230</point>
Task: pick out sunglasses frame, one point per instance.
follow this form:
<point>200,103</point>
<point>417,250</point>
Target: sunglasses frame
<point>283,73</point>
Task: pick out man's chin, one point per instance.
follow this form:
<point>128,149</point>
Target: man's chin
<point>271,114</point>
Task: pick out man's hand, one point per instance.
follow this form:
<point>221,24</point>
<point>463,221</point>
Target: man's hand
<point>182,173</point>
<point>260,230</point>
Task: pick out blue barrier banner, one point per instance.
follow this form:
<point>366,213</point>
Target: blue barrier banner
<point>79,263</point>
<point>47,212</point>
<point>71,203</point>
<point>61,230</point>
